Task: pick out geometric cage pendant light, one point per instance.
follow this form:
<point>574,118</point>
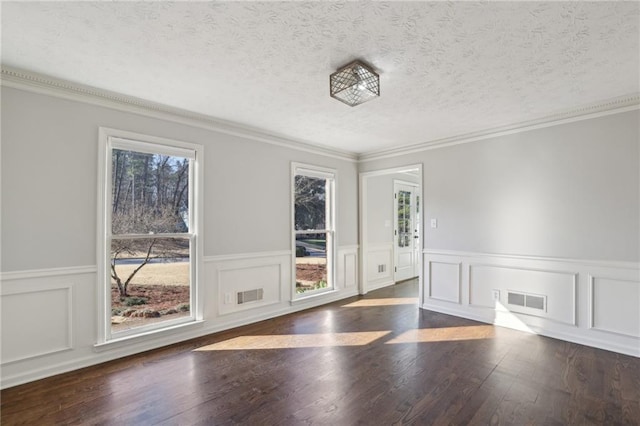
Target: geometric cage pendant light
<point>354,84</point>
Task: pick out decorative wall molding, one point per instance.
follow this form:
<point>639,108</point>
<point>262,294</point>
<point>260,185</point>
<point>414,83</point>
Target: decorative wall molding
<point>533,289</point>
<point>40,297</point>
<point>617,105</point>
<point>47,273</point>
<point>51,86</point>
<point>378,254</point>
<point>593,303</point>
<point>595,262</point>
<point>625,309</point>
<point>229,275</point>
<point>267,277</point>
<point>457,267</point>
<point>245,256</point>
<point>347,267</point>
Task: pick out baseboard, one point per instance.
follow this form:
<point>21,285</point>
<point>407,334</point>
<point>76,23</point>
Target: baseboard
<point>578,338</point>
<point>379,285</point>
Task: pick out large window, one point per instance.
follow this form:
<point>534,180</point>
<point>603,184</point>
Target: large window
<point>150,242</point>
<point>313,218</point>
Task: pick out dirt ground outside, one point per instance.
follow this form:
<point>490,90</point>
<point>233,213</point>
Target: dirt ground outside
<point>164,289</point>
<point>310,271</point>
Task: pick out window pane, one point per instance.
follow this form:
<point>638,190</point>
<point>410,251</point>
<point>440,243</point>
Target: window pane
<point>310,203</point>
<point>404,219</point>
<point>149,193</point>
<point>311,262</point>
<point>150,281</point>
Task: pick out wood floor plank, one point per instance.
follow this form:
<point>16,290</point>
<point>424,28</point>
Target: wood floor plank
<point>373,360</point>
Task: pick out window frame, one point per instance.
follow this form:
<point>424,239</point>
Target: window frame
<point>330,226</point>
<point>110,139</point>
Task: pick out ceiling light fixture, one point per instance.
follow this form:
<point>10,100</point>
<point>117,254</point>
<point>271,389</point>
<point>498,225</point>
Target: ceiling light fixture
<point>354,84</point>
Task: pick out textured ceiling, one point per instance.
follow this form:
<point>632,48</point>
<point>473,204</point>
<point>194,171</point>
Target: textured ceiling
<point>447,69</point>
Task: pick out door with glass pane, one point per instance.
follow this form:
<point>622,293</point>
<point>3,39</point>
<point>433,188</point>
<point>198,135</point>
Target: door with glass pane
<point>406,230</point>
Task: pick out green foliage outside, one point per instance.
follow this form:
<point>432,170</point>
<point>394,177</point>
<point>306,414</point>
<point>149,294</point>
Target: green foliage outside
<point>317,286</point>
<point>134,301</point>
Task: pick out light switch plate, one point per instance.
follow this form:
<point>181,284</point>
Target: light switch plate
<point>434,223</point>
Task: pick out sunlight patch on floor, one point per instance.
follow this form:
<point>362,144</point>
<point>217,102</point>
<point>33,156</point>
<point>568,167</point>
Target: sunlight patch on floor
<point>445,334</point>
<point>505,318</point>
<point>383,302</point>
<point>292,341</point>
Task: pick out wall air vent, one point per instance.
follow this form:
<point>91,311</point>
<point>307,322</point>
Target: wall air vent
<point>250,296</point>
<point>527,300</point>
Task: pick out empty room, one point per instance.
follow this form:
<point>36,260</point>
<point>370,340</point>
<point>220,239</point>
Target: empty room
<point>331,213</point>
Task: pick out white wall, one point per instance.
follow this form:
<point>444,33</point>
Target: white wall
<point>49,182</point>
<point>552,211</point>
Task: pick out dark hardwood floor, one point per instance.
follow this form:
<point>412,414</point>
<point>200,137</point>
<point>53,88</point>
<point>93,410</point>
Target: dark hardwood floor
<point>374,360</point>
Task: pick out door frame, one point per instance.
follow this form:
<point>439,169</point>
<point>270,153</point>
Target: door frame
<point>415,250</point>
<point>362,225</point>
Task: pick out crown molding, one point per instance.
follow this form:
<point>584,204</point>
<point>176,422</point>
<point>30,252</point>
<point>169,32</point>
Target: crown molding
<point>51,86</point>
<point>609,107</point>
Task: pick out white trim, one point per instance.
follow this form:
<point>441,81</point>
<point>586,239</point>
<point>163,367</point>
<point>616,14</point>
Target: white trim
<point>365,247</point>
<point>148,335</point>
<point>70,331</point>
<point>108,137</point>
<point>243,256</point>
<point>152,148</point>
<point>600,263</point>
<point>46,273</point>
<point>50,86</point>
<point>331,175</point>
<point>591,306</point>
<point>64,89</point>
<point>470,265</point>
<point>378,285</point>
<point>458,265</point>
<point>618,105</point>
<point>451,309</point>
<point>353,247</point>
<point>185,235</point>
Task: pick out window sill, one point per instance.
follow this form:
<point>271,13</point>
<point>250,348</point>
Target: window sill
<point>312,297</point>
<point>147,336</point>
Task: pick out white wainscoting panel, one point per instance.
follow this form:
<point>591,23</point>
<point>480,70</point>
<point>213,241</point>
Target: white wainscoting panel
<point>444,281</point>
<point>559,288</point>
<point>594,303</point>
<point>379,266</point>
<point>615,306</point>
<point>269,273</point>
<point>347,268</point>
<point>36,321</point>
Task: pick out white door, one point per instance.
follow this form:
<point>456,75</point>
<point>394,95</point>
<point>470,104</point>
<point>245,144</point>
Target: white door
<point>406,230</point>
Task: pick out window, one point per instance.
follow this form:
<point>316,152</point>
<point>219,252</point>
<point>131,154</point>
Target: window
<point>313,228</point>
<point>149,241</point>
